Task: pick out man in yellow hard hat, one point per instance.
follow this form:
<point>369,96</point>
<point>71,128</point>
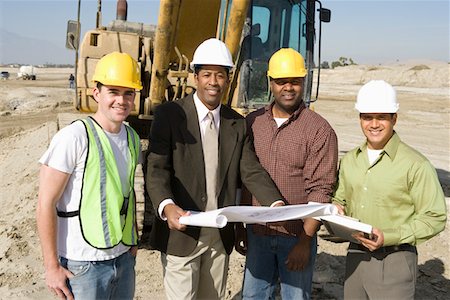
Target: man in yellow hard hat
<point>86,210</point>
<point>394,188</point>
<point>198,150</point>
<point>298,148</point>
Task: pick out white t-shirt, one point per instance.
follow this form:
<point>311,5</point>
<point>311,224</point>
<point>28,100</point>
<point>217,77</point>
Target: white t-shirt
<point>67,153</point>
<point>280,121</point>
<point>373,155</point>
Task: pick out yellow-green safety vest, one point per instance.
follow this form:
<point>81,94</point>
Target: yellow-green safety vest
<point>106,216</point>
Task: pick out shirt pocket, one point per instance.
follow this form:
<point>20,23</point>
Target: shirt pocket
<point>298,151</point>
<point>391,194</point>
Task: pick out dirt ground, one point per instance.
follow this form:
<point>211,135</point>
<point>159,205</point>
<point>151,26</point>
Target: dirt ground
<point>28,112</point>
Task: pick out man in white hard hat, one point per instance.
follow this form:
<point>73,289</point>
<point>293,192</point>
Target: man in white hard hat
<point>198,153</point>
<point>86,210</point>
<point>298,148</point>
<point>394,188</point>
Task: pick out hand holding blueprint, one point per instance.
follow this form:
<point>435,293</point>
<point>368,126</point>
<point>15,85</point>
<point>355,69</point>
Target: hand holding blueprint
<point>257,214</point>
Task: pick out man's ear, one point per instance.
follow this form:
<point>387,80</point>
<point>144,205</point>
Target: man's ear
<point>394,119</point>
<point>96,94</point>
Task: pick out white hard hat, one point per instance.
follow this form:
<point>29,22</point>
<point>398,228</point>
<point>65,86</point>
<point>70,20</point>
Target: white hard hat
<point>212,52</point>
<point>377,96</point>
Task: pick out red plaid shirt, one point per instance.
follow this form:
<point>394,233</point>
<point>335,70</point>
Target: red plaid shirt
<point>301,157</point>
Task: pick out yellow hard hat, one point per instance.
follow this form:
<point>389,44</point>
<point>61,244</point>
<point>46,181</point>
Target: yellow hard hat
<point>286,63</point>
<point>118,69</point>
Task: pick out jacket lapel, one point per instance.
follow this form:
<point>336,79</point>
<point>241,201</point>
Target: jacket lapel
<point>191,135</point>
<point>192,140</point>
<point>227,144</point>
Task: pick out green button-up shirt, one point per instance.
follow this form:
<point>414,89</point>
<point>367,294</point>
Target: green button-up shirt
<point>399,193</point>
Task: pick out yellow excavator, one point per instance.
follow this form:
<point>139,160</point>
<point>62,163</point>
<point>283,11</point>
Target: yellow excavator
<point>252,29</point>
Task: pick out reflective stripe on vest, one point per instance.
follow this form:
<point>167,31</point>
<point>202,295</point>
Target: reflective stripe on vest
<point>106,216</point>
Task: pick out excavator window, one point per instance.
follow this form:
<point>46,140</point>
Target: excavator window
<point>94,39</point>
<point>274,25</point>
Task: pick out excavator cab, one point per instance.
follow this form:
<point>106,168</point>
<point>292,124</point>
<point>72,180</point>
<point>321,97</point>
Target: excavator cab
<point>271,25</point>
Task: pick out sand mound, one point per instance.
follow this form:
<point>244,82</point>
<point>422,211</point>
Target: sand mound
<point>431,75</point>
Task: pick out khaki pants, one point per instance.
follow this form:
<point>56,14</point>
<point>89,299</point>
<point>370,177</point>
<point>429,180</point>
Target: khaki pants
<point>388,276</point>
<point>202,274</point>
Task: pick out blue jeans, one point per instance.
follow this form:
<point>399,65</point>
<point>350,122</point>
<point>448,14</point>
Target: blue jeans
<point>109,279</point>
<point>265,267</point>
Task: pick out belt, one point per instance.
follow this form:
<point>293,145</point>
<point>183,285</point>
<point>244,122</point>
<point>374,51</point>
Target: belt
<point>386,249</point>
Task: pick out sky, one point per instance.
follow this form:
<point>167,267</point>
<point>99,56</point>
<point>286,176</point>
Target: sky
<point>367,31</point>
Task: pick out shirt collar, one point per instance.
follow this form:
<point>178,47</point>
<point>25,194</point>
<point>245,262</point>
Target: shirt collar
<point>202,110</point>
<point>390,149</point>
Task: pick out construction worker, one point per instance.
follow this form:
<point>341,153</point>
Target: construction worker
<point>394,188</point>
<point>86,212</point>
<point>298,148</point>
<point>188,137</point>
<point>71,81</point>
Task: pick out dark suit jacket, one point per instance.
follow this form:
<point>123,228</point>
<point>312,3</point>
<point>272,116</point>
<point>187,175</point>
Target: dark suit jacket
<point>175,170</point>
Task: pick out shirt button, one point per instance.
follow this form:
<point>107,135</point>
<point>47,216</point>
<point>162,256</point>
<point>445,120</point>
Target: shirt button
<point>203,199</point>
<point>362,206</point>
<point>368,171</point>
<point>365,188</point>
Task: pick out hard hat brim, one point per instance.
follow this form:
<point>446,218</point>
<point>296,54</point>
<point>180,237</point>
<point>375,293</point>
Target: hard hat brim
<point>118,83</point>
<point>363,109</point>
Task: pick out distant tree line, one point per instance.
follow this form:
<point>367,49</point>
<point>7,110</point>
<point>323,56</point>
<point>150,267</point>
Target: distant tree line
<point>343,61</point>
